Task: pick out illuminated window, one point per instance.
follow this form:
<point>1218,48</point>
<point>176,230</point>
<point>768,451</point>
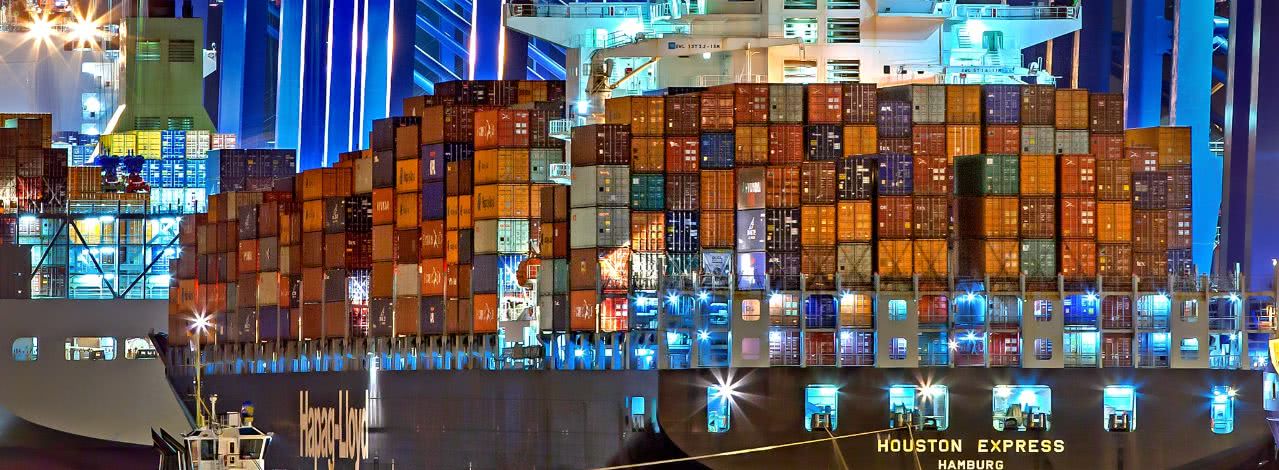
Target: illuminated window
<point>139,348</point>
<point>897,310</point>
<point>843,70</point>
<point>1223,409</point>
<point>1043,310</point>
<point>804,29</point>
<point>90,349</point>
<point>717,408</point>
<point>821,407</point>
<point>897,349</point>
<point>25,349</point>
<point>751,310</point>
<point>843,4</point>
<point>1043,349</point>
<point>844,30</point>
<point>800,4</point>
<point>1119,408</point>
<point>1190,311</point>
<point>927,408</point>
<point>1189,348</point>
<point>1021,407</point>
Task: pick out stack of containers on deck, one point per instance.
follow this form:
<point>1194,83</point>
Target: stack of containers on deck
<point>1113,217</point>
<point>219,289</point>
<point>502,212</point>
<point>856,177</point>
<point>652,119</point>
<point>1161,200</point>
<point>182,307</point>
<point>899,109</point>
<point>256,314</point>
<point>599,219</point>
<point>391,193</point>
<point>329,253</point>
<point>279,276</point>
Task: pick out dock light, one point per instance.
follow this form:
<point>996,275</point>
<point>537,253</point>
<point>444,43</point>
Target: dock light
<point>706,55</point>
<point>776,297</point>
<point>703,335</point>
<point>953,345</point>
<point>583,107</point>
<point>703,295</point>
<point>1231,392</point>
<point>725,390</point>
<point>1090,297</point>
<point>578,353</point>
<point>969,297</point>
<point>84,30</point>
<point>934,390</point>
<point>672,299</point>
<point>200,323</point>
<point>40,29</point>
<point>1003,391</point>
<point>848,298</point>
<point>845,335</point>
<point>1234,297</point>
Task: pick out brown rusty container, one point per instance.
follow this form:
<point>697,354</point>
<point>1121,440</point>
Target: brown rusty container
<point>782,187</point>
<point>752,145</point>
<point>1114,180</point>
<point>683,155</point>
<point>817,183</point>
<point>930,217</point>
<point>1038,217</point>
<point>1078,217</point>
<point>1002,140</point>
<point>988,216</point>
<point>785,144</point>
<point>1078,258</point>
<point>933,176</point>
<point>893,217</point>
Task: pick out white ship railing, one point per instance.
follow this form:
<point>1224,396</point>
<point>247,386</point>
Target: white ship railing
<point>713,80</point>
<point>1006,12</point>
<point>563,128</point>
<point>580,10</point>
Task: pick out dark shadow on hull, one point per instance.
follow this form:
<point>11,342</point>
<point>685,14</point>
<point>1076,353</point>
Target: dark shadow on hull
<point>26,446</point>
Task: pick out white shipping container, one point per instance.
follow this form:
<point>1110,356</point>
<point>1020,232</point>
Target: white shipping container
<point>601,185</point>
<point>363,174</point>
<point>485,237</point>
<point>1038,140</point>
<point>1072,142</point>
<point>591,227</point>
<point>928,103</point>
<point>406,279</point>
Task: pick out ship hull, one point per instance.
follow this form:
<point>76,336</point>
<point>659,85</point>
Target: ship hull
<point>580,419</point>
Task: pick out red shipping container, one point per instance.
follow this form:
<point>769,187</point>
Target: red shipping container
<point>785,143</point>
<point>781,187</point>
<point>504,128</point>
<point>932,176</point>
<point>1078,258</point>
<point>861,103</point>
<point>1114,180</point>
<point>898,145</point>
<point>648,231</point>
<point>1078,175</point>
<point>1038,217</point>
<point>583,310</point>
<point>555,240</point>
<point>1150,231</point>
<point>1078,217</point>
<point>1116,348</point>
<point>928,139</point>
<point>718,191</point>
<point>1179,230</point>
<point>248,262</point>
<point>682,154</point>
<point>893,217</point>
<point>432,239</point>
<point>931,218</point>
<point>717,111</point>
<point>825,103</point>
<point>817,183</point>
<point>1153,266</point>
<point>1106,146</point>
<point>717,229</point>
<point>1002,140</point>
<point>750,102</point>
<point>484,316</point>
<point>1005,349</point>
<point>1114,259</point>
<point>1142,159</point>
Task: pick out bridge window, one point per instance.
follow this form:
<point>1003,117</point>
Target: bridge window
<point>843,4</point>
<point>1119,408</point>
<point>1223,409</point>
<point>85,348</point>
<point>1043,310</point>
<point>800,4</point>
<point>25,349</point>
<point>1189,348</point>
<point>1022,407</point>
<point>139,348</point>
<point>804,29</point>
<point>717,408</point>
<point>843,71</point>
<point>928,408</point>
<point>843,30</point>
<point>897,310</point>
<point>821,407</point>
<point>897,349</point>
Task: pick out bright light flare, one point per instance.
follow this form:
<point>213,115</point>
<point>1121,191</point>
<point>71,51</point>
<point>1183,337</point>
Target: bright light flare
<point>40,30</point>
<point>200,323</point>
<point>85,30</point>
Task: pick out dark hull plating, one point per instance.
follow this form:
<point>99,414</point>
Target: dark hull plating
<point>578,419</point>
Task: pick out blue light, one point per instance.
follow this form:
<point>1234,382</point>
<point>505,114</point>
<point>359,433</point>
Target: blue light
<point>672,299</point>
<point>1090,297</point>
<point>583,107</point>
<point>969,297</point>
<point>1234,297</point>
<point>970,336</point>
<point>579,353</point>
<point>643,352</point>
<point>672,337</point>
<point>703,295</point>
<point>703,335</point>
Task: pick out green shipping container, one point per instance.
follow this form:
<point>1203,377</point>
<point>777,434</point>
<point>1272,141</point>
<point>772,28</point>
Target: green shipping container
<point>648,192</point>
<point>1039,258</point>
<point>539,163</point>
<point>552,278</point>
<point>986,175</point>
<point>512,236</point>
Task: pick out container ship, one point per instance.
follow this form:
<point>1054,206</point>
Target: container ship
<point>935,275</point>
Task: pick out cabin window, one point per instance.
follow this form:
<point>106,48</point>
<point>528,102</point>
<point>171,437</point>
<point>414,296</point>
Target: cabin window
<point>1190,311</point>
<point>1043,349</point>
<point>1270,393</point>
<point>1043,310</point>
<point>139,348</point>
<point>208,450</point>
<point>1222,409</point>
<point>821,407</point>
<point>251,449</point>
<point>1021,407</point>
<point>1119,408</point>
<point>717,408</point>
<point>1189,349</point>
<point>25,349</point>
<point>897,349</point>
<point>751,310</point>
<point>897,310</point>
<point>86,348</point>
<point>926,408</point>
<point>804,29</point>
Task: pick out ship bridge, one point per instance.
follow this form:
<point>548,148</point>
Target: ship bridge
<point>628,48</point>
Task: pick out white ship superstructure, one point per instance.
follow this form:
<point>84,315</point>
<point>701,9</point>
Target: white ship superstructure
<point>628,48</point>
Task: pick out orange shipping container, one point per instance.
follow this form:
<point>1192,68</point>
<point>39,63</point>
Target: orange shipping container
<point>1078,258</point>
<point>506,201</point>
<point>963,104</point>
<point>313,216</point>
<point>861,140</point>
<point>501,128</point>
<point>382,279</point>
<point>451,247</point>
<point>648,232</point>
<point>1072,109</point>
<point>854,221</point>
<point>781,187</point>
<point>406,211</point>
<point>648,154</point>
<point>1171,143</point>
<point>995,258</point>
<point>383,206</point>
<point>645,114</point>
<point>718,191</point>
<point>406,141</point>
<point>1078,217</point>
<point>1038,175</point>
<point>893,216</point>
<point>320,183</point>
<point>406,176</point>
<point>407,315</point>
<point>930,258</point>
<point>1002,140</point>
<point>1078,175</point>
<point>582,310</point>
<point>752,145</point>
<point>1114,222</point>
<point>484,318</point>
<point>683,154</point>
<point>248,256</point>
<point>433,276</point>
<point>501,166</point>
<point>818,225</point>
<point>896,258</point>
<point>963,139</point>
<point>312,321</point>
<point>988,216</point>
<point>432,239</point>
<point>717,229</point>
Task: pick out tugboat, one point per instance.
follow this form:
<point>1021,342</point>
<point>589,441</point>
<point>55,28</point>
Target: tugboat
<point>229,443</point>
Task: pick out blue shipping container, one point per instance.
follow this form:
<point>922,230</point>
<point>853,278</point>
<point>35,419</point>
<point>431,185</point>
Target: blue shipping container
<point>717,150</point>
<point>1003,104</point>
<point>896,174</point>
<point>855,177</point>
<point>819,311</point>
<point>823,142</point>
<point>751,230</point>
<point>682,234</point>
<point>433,193</point>
<point>894,112</point>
